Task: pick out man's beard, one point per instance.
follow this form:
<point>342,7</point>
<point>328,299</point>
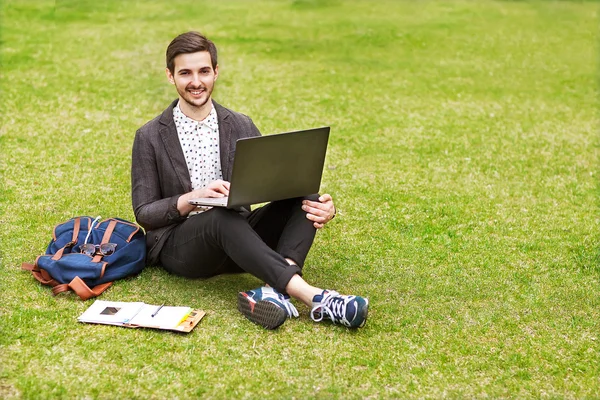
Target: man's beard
<point>192,102</point>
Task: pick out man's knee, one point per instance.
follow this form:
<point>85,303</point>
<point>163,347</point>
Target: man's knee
<point>211,224</point>
<point>312,197</point>
<point>221,216</point>
<point>298,200</point>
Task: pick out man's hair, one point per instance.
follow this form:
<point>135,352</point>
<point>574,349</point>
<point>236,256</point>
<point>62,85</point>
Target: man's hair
<point>190,42</point>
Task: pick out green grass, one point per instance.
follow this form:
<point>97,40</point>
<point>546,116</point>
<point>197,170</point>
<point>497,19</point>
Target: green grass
<point>463,158</point>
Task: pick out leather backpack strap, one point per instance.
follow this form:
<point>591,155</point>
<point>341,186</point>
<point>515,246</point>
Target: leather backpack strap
<point>46,278</point>
<point>63,287</point>
<point>109,231</point>
<point>83,291</point>
<point>41,275</point>
<point>28,267</point>
<point>73,241</point>
<point>106,238</point>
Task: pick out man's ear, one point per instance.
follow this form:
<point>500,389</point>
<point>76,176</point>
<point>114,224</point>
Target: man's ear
<point>169,76</point>
<point>216,71</point>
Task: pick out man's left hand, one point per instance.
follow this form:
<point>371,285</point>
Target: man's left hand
<point>320,212</point>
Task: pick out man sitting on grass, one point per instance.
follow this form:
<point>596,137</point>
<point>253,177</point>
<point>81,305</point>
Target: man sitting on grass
<point>184,153</point>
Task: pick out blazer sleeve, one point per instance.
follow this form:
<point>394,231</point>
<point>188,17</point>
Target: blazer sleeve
<point>152,210</point>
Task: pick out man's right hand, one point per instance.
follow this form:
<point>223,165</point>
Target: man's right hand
<point>218,188</point>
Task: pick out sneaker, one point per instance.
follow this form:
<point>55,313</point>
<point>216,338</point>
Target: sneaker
<point>350,311</point>
<point>266,307</point>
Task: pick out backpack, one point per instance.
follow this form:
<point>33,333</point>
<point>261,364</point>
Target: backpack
<point>114,249</point>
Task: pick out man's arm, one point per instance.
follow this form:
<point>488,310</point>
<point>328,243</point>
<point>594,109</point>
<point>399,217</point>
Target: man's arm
<point>151,210</point>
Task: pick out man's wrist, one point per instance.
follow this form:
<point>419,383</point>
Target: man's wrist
<point>183,206</point>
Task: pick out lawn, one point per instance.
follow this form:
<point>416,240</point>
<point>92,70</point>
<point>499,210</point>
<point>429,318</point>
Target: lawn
<point>463,159</point>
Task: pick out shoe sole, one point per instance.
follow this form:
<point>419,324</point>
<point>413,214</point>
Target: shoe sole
<point>263,313</point>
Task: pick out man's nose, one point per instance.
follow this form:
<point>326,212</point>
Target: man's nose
<point>196,80</point>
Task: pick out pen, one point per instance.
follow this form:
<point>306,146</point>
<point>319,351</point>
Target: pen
<point>184,317</point>
<point>157,310</point>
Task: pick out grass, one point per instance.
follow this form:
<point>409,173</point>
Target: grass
<point>463,158</point>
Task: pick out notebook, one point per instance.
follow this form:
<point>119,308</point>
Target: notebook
<point>141,315</point>
<point>274,167</point>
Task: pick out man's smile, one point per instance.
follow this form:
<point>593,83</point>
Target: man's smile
<point>196,92</point>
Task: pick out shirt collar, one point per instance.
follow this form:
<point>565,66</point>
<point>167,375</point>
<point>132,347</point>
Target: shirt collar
<point>210,120</point>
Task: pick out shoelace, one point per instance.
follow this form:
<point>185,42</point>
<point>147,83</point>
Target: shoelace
<point>291,309</point>
<point>333,305</point>
<point>269,292</point>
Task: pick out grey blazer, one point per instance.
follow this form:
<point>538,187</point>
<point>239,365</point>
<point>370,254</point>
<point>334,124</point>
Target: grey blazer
<point>159,173</point>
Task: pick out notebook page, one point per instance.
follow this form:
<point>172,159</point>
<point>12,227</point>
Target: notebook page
<point>166,318</point>
<point>111,312</point>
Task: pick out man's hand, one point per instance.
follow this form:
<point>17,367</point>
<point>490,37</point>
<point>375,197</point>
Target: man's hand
<point>218,188</point>
<point>320,212</point>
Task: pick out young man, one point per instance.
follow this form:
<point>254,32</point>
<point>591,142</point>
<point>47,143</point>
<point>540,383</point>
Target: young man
<point>187,152</point>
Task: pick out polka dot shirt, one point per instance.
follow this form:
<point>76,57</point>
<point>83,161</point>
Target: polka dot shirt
<point>200,144</point>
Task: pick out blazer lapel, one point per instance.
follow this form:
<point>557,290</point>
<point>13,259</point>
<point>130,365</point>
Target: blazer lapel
<point>224,139</point>
<point>168,134</point>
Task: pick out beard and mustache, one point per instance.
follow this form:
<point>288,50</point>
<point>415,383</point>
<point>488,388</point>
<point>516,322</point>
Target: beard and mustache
<point>196,102</point>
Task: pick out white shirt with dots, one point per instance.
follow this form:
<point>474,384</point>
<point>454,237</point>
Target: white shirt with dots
<point>200,144</point>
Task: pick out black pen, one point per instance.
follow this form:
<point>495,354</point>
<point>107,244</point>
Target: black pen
<point>157,310</point>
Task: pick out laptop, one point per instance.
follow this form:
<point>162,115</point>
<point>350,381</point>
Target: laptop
<point>274,167</point>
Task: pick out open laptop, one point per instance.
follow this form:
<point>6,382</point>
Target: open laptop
<point>274,167</point>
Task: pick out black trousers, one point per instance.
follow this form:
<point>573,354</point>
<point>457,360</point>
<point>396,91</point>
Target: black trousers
<point>224,241</point>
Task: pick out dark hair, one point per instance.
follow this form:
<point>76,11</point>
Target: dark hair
<point>190,42</point>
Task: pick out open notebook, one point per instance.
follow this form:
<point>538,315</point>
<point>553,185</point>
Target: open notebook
<point>142,315</point>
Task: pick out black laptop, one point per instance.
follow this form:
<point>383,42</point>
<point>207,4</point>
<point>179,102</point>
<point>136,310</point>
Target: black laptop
<point>274,167</point>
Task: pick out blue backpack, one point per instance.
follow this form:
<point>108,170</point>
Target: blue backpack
<point>86,255</point>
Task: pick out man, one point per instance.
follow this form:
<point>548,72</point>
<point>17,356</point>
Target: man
<point>187,152</point>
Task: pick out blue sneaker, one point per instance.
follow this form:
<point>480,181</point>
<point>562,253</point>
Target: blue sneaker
<point>266,307</point>
<point>350,311</point>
